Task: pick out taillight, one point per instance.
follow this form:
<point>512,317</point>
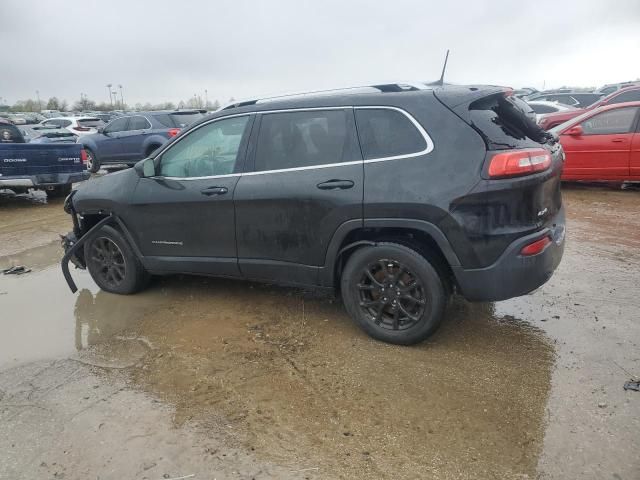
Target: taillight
<point>83,155</point>
<point>516,163</point>
<point>173,132</point>
<point>535,247</point>
<point>81,129</point>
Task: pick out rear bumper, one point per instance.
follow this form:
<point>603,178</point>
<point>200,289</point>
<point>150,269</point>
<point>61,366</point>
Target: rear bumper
<point>44,180</point>
<point>513,275</point>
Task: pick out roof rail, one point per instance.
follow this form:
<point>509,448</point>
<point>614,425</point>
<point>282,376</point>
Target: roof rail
<point>381,88</point>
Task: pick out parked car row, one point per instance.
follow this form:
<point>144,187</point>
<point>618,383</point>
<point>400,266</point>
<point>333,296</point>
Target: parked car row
<point>130,138</point>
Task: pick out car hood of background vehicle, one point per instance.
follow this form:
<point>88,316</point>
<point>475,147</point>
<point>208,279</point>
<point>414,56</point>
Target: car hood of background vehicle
<point>106,194</point>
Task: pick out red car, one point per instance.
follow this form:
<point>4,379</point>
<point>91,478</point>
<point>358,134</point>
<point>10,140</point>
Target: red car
<point>602,144</point>
<point>630,94</point>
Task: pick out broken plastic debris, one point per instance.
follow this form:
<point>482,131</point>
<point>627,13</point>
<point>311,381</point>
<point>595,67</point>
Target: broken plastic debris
<point>17,270</point>
<point>632,385</point>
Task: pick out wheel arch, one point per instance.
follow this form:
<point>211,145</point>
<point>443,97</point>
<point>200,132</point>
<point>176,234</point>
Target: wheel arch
<point>155,142</point>
<point>421,236</point>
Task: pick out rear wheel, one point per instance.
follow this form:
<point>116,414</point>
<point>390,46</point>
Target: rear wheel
<point>93,164</point>
<point>112,263</point>
<point>393,293</point>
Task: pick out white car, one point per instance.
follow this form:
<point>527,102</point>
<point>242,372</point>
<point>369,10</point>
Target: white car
<point>79,126</point>
<point>542,107</point>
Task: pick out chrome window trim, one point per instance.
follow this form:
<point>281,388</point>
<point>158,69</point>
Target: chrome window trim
<point>429,148</point>
<point>309,167</point>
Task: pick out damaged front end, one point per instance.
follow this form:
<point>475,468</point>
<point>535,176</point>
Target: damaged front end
<point>73,242</point>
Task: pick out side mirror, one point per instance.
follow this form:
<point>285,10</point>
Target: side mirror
<point>146,168</point>
<point>101,130</point>
<point>575,131</point>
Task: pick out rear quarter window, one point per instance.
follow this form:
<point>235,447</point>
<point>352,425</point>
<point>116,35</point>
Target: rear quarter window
<point>387,133</point>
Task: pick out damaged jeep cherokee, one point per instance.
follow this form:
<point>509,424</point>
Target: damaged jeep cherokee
<point>395,195</point>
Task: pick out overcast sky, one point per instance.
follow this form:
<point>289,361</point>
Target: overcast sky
<point>170,50</point>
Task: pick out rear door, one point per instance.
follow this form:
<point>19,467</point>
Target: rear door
<point>602,152</point>
<point>306,179</point>
<point>138,129</point>
<point>110,143</point>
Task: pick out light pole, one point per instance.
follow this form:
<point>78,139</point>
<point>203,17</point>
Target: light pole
<point>109,85</point>
<point>206,99</point>
<point>121,96</point>
<point>38,97</point>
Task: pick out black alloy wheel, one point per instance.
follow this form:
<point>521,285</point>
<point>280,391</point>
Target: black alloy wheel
<point>391,296</point>
<point>108,262</point>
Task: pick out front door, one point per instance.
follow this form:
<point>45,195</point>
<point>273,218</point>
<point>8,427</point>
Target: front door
<point>602,152</point>
<point>184,216</point>
<point>305,180</point>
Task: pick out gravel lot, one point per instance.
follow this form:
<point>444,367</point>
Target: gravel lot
<point>223,379</point>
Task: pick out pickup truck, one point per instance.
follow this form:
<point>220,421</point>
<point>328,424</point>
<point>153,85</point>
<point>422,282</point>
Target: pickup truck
<point>52,167</point>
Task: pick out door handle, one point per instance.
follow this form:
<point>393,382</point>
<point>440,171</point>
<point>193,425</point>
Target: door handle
<point>209,191</point>
<point>618,140</point>
<point>335,184</point>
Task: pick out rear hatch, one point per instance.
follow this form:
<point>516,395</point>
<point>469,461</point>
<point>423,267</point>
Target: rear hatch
<point>184,119</point>
<point>518,191</point>
<point>88,125</point>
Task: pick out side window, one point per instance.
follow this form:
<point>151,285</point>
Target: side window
<point>138,123</point>
<point>632,96</point>
<point>610,123</point>
<point>210,150</point>
<point>301,139</point>
<point>64,123</point>
<point>387,133</point>
<point>117,125</point>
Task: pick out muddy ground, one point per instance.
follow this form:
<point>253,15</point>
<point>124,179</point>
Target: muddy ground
<point>209,379</point>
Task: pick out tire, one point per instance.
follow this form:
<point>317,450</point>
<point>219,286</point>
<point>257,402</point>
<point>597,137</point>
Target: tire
<point>395,273</point>
<point>59,191</point>
<point>112,263</point>
<point>93,164</point>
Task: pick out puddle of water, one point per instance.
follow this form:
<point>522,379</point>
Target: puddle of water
<point>286,374</point>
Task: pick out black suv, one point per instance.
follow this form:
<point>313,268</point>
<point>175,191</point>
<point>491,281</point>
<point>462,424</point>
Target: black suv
<point>396,195</point>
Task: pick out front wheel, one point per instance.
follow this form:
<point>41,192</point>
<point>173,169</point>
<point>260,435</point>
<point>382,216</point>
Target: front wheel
<point>393,293</point>
<point>112,263</point>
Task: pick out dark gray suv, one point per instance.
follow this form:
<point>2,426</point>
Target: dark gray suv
<point>394,195</point>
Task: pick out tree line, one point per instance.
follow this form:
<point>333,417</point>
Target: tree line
<point>86,104</point>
